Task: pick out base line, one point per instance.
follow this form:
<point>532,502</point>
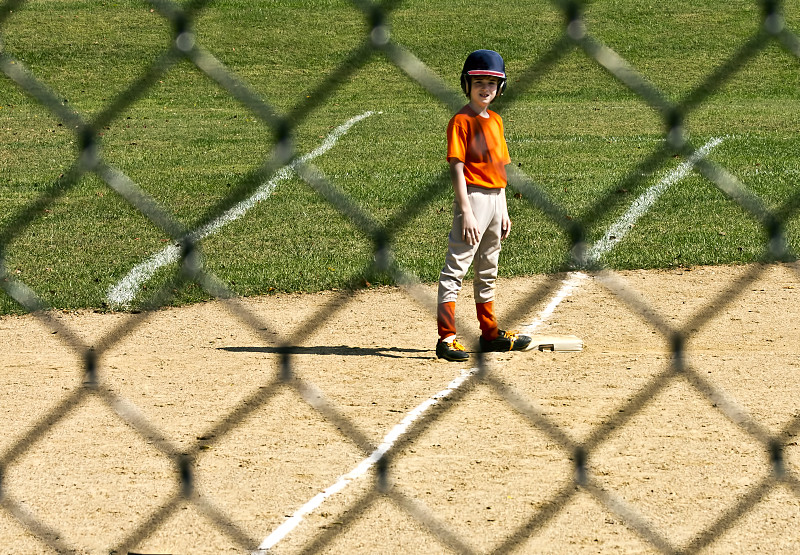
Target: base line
<point>388,441</point>
<point>568,286</point>
<point>642,204</point>
<point>125,290</point>
<point>620,228</point>
<point>573,280</point>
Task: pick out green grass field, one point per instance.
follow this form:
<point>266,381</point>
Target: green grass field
<point>574,130</point>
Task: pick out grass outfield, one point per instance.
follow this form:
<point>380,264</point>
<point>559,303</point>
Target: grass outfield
<point>573,130</point>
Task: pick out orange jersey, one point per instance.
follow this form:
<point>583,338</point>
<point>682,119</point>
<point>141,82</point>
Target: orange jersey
<point>479,143</point>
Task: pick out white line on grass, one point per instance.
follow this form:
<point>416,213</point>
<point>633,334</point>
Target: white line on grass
<point>640,206</point>
<point>125,290</point>
<point>621,227</point>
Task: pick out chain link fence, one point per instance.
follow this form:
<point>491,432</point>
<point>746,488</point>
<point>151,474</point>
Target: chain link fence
<point>187,46</point>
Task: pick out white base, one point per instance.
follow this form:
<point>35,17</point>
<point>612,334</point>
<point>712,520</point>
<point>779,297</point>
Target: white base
<point>556,343</point>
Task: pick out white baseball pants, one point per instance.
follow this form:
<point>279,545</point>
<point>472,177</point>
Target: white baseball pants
<point>487,206</point>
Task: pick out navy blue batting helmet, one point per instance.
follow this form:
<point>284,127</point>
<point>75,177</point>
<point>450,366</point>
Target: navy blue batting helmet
<point>483,62</point>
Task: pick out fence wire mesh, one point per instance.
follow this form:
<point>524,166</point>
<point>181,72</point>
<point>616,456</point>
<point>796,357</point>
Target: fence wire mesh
<point>378,41</point>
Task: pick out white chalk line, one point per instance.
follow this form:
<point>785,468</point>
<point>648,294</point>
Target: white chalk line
<point>126,289</point>
<point>573,280</point>
<point>394,434</point>
<point>620,228</point>
<point>568,286</point>
<point>642,204</point>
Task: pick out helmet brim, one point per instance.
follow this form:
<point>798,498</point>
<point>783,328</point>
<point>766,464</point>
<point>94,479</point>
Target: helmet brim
<point>488,72</point>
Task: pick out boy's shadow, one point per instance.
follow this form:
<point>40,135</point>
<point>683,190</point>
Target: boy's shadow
<point>341,350</point>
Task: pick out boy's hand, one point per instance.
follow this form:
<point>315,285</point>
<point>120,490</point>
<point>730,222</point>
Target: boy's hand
<point>469,229</point>
<point>470,233</point>
<point>505,227</point>
<point>505,224</point>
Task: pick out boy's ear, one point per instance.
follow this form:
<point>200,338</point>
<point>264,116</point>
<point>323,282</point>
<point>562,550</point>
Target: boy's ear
<point>466,83</point>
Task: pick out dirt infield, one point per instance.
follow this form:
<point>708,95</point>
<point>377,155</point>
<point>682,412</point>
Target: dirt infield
<point>479,467</point>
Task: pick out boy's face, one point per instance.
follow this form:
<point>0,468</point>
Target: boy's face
<point>483,90</point>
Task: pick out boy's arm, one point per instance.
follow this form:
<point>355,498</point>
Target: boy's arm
<point>469,225</point>
<point>506,221</point>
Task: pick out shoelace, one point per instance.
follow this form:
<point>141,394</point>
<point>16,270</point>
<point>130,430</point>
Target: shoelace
<point>512,337</point>
<point>456,346</point>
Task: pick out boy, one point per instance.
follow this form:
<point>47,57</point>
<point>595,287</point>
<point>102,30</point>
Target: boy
<point>477,154</point>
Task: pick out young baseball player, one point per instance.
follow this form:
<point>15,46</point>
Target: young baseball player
<point>477,154</point>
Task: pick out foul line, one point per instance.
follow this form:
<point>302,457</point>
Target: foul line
<point>614,235</point>
<point>569,285</point>
<point>620,228</point>
<point>125,290</point>
<point>284,529</point>
<point>642,204</point>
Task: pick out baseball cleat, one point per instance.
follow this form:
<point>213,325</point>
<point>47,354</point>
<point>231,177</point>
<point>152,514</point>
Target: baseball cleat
<point>506,341</point>
<point>453,351</point>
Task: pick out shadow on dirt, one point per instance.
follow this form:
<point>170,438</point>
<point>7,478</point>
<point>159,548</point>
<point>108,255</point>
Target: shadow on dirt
<point>340,350</point>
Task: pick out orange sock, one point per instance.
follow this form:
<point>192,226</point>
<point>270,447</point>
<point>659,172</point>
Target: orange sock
<point>487,320</point>
<point>446,319</point>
